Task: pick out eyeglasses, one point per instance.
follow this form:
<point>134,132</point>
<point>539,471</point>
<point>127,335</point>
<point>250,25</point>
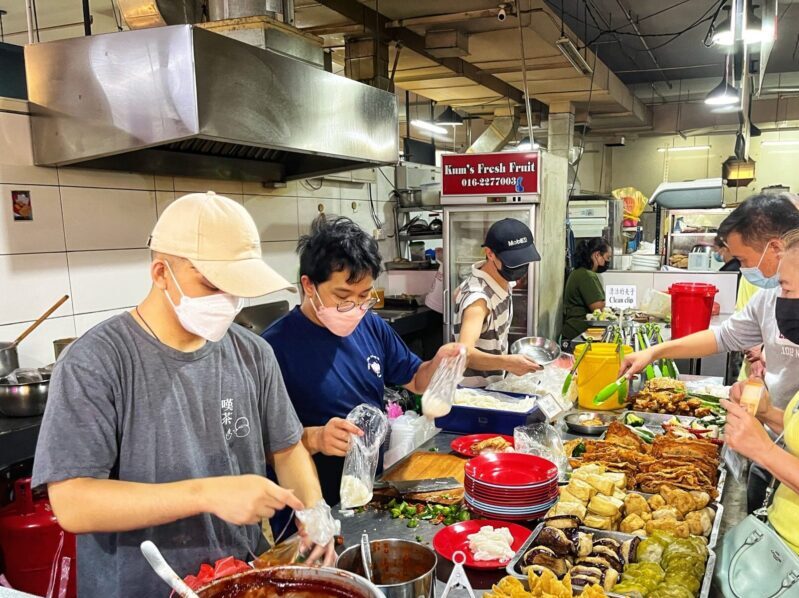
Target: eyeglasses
<point>345,306</point>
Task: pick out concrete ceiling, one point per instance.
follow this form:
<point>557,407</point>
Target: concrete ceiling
<point>675,56</point>
<point>494,48</point>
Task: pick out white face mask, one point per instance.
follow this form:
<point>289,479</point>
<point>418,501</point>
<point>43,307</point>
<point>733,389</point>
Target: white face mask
<point>208,317</point>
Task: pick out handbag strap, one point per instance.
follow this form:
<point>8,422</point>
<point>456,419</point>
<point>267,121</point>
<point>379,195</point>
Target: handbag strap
<point>756,536</point>
<point>762,512</point>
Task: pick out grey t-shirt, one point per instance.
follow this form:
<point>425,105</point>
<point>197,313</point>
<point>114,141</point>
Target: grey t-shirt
<point>123,406</point>
<point>757,324</point>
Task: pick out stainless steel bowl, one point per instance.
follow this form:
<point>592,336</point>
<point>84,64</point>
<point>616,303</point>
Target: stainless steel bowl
<point>292,580</point>
<point>402,569</point>
<point>541,350</point>
<point>573,422</point>
<point>23,400</point>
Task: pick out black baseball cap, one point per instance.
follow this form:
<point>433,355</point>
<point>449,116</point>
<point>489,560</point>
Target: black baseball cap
<point>512,241</point>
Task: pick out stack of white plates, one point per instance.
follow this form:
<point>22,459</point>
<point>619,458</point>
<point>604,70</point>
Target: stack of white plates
<point>645,262</point>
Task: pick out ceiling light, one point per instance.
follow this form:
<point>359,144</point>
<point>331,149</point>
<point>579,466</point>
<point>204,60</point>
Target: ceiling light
<point>754,33</point>
<point>429,127</point>
<point>572,54</point>
<point>683,148</point>
<point>781,142</point>
<point>723,94</point>
<point>723,35</point>
<point>449,118</point>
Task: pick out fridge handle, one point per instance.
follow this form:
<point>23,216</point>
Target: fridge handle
<point>446,308</point>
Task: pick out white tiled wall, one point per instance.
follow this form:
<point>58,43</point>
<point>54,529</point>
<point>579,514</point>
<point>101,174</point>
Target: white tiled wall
<point>90,228</point>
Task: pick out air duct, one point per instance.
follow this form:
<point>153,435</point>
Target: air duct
<point>502,129</point>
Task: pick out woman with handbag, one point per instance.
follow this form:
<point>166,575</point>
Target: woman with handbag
<point>756,555</point>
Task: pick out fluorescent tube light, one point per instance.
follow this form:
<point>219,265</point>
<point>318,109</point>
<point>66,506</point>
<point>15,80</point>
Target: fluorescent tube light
<point>428,126</point>
<point>572,54</point>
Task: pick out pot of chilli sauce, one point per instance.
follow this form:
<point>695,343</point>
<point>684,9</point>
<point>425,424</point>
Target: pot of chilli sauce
<point>292,581</point>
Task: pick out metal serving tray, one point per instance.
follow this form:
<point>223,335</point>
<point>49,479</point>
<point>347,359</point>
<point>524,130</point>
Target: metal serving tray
<point>513,566</point>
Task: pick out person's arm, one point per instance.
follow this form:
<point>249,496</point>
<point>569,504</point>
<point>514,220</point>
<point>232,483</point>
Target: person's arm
<point>596,305</point>
<point>88,505</point>
<point>699,344</point>
<point>296,471</point>
<point>471,327</point>
<point>745,435</point>
<point>421,379</point>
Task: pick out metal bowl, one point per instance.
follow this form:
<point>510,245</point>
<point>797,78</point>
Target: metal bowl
<point>541,350</point>
<point>292,580</point>
<point>23,400</point>
<point>573,422</point>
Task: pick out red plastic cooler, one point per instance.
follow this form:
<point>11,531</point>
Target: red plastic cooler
<point>691,307</point>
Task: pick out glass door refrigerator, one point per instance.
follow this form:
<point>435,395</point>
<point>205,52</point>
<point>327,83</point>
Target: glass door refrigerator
<point>465,228</point>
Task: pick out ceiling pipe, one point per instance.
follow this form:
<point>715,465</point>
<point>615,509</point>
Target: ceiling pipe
<point>455,17</point>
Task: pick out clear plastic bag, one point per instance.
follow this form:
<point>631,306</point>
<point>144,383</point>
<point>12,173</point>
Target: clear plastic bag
<point>360,464</point>
<point>542,440</point>
<point>439,397</point>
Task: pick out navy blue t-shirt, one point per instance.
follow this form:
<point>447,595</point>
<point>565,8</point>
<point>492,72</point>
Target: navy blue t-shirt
<point>327,375</point>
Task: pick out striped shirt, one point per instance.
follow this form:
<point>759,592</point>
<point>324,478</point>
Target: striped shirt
<point>494,335</point>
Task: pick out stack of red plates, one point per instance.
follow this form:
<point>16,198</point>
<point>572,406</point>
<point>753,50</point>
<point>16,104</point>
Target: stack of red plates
<point>511,486</point>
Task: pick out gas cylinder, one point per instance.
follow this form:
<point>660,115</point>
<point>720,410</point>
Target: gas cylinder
<point>33,545</point>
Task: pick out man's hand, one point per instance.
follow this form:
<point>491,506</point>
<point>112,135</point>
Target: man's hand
<point>324,556</point>
<point>246,499</point>
<point>636,362</point>
<point>449,350</point>
<point>763,407</point>
<point>744,434</point>
<point>334,438</point>
<point>520,365</point>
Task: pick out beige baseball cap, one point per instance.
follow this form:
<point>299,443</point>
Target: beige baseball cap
<point>219,237</point>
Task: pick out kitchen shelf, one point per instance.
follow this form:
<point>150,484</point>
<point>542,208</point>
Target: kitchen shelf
<point>420,236</point>
<point>693,234</point>
<point>436,208</point>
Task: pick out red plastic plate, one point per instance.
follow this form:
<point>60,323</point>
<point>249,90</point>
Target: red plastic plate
<point>463,444</point>
<point>455,537</point>
<point>511,469</point>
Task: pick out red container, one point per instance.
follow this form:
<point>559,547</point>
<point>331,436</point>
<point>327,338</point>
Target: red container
<point>29,543</point>
<point>691,307</point>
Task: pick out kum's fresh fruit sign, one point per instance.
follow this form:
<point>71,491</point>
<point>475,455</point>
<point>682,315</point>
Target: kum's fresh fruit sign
<point>502,173</point>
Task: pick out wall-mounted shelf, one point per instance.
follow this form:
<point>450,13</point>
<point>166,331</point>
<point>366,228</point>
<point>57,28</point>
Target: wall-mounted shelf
<point>420,209</point>
<point>420,236</point>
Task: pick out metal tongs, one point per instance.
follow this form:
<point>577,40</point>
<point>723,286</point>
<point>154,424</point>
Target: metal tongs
<point>458,578</point>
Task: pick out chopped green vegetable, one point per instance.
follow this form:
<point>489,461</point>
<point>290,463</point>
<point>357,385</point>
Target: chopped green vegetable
<point>395,513</point>
<point>631,419</point>
<point>579,450</point>
<point>434,449</point>
<point>413,522</point>
<point>464,515</point>
<point>419,539</point>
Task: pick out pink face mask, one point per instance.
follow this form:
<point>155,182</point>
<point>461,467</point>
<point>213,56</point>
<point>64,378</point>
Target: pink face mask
<point>340,323</point>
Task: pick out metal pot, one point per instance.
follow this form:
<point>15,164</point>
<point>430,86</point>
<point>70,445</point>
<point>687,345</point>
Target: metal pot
<point>316,582</point>
<point>9,359</point>
<point>408,198</point>
<point>23,400</point>
<point>402,569</point>
<point>60,344</point>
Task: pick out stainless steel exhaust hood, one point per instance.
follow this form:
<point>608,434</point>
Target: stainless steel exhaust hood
<point>184,101</point>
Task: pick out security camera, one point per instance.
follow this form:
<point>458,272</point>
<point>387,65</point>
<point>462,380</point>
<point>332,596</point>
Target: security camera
<point>502,14</point>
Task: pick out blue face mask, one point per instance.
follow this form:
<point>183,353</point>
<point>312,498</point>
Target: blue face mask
<point>757,278</point>
<point>717,257</point>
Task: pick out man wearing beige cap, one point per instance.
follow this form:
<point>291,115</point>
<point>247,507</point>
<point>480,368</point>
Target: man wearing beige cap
<point>161,420</point>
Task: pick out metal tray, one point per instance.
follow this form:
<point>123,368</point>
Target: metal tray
<point>512,567</point>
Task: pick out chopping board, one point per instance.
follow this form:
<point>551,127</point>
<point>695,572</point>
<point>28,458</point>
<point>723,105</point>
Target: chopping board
<point>423,465</point>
